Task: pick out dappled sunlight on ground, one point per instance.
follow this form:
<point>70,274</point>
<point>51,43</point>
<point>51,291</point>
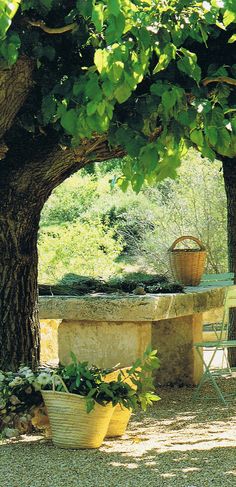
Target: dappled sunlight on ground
<point>177,443</point>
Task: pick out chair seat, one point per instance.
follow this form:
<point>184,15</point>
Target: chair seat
<point>218,344</point>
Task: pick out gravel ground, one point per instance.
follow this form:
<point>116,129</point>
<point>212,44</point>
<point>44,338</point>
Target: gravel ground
<point>176,443</point>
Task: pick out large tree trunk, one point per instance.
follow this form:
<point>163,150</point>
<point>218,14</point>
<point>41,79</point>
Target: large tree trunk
<point>19,324</point>
<point>24,188</point>
<point>229,170</point>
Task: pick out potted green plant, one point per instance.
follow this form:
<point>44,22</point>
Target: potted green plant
<point>139,378</point>
<point>82,401</point>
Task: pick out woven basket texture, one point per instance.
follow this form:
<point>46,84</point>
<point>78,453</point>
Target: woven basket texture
<point>121,415</point>
<point>119,421</point>
<point>187,265</point>
<point>72,426</point>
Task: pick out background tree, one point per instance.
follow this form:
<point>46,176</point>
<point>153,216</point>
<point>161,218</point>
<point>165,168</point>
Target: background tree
<point>87,80</point>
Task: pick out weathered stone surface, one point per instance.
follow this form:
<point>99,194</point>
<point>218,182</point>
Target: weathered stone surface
<point>104,344</point>
<point>110,329</point>
<point>49,341</point>
<point>130,308</point>
<point>174,338</point>
<point>213,315</point>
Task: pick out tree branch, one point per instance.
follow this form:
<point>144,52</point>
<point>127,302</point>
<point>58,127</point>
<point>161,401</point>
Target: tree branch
<point>53,30</point>
<point>219,79</point>
<point>15,84</point>
<point>59,164</point>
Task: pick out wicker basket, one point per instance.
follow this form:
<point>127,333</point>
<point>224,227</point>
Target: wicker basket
<point>187,265</point>
<point>119,421</point>
<point>72,426</point>
<point>121,415</point>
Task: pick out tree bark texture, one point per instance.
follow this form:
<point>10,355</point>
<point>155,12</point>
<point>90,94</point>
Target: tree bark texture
<point>19,324</point>
<point>229,171</point>
<point>15,84</point>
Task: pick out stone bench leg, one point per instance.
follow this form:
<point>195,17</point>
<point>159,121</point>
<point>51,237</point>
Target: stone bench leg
<point>174,338</point>
<point>101,343</point>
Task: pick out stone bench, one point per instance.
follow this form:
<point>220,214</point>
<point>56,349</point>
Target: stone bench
<point>110,329</point>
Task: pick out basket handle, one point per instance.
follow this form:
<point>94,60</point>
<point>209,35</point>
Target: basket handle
<point>62,383</point>
<point>187,237</point>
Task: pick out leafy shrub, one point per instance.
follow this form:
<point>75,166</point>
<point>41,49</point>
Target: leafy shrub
<point>69,201</point>
<point>20,392</point>
<point>82,247</point>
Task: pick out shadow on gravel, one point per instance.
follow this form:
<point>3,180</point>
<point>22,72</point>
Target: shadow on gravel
<point>178,443</point>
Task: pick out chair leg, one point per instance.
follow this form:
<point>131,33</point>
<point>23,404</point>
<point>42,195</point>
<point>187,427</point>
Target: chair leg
<point>208,376</point>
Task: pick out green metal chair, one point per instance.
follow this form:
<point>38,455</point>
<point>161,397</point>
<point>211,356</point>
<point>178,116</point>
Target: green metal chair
<point>219,344</point>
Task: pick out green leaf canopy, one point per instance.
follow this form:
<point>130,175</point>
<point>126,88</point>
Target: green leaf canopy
<point>155,76</point>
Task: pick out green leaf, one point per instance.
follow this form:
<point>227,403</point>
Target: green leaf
<point>100,59</point>
<point>188,64</point>
<point>122,93</point>
<point>9,48</point>
<point>8,10</point>
<point>85,7</point>
<point>232,39</point>
<point>159,88</point>
<point>137,182</point>
<point>223,140</point>
<point>5,23</point>
<point>107,88</point>
<point>196,137</point>
<point>123,183</point>
<point>187,117</point>
<point>168,100</point>
<point>49,107</point>
<point>211,133</point>
<point>115,29</point>
<point>74,358</point>
<point>149,157</point>
<point>98,16</point>
<point>92,88</point>
<point>101,107</point>
<point>208,152</point>
<point>229,17</point>
<point>90,403</point>
<point>69,121</point>
<point>144,37</point>
<point>91,108</point>
<point>113,7</point>
<point>165,58</point>
<point>116,70</point>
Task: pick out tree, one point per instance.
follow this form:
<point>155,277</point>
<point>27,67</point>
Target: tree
<point>84,81</point>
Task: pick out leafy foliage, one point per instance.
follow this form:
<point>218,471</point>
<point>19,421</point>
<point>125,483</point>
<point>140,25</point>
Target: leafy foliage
<point>156,76</point>
<point>94,384</point>
<point>20,391</point>
<point>145,224</point>
<point>87,247</point>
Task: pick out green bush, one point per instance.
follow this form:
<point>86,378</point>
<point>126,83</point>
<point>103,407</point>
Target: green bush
<point>193,204</point>
<point>85,248</point>
<point>70,200</point>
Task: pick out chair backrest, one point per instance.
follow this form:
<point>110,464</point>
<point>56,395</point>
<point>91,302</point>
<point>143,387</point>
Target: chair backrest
<point>224,279</point>
<point>229,302</point>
